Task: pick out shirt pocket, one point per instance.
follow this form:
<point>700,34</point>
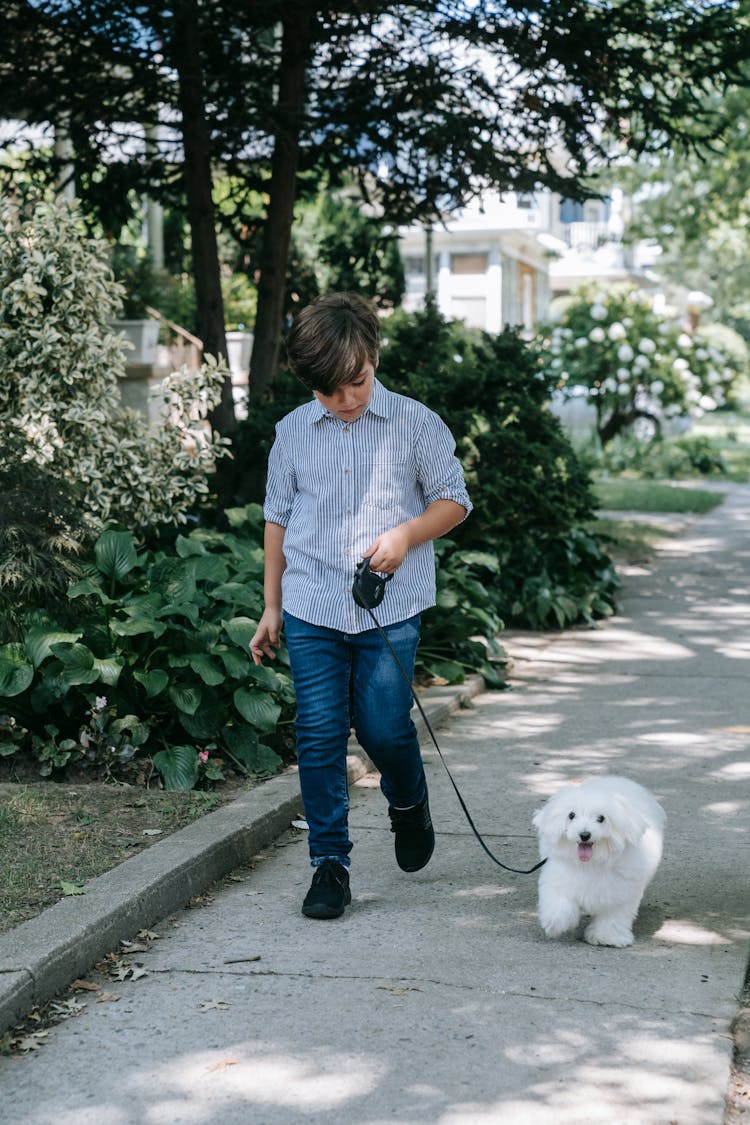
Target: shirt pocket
<point>385,483</point>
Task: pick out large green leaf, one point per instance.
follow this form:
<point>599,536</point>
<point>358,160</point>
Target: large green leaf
<point>237,666</point>
<point>241,631</point>
<point>251,516</point>
<point>264,677</point>
<point>136,626</point>
<point>16,674</point>
<point>181,609</point>
<point>206,723</point>
<point>205,667</point>
<point>115,554</point>
<point>154,681</point>
<point>186,697</point>
<point>77,663</point>
<point>242,743</point>
<point>241,594</point>
<point>89,587</point>
<point>186,548</point>
<point>478,558</point>
<point>210,568</point>
<point>39,641</point>
<point>241,740</point>
<point>108,670</point>
<point>257,708</point>
<point>174,579</point>
<point>267,761</point>
<point>137,730</point>
<point>178,766</point>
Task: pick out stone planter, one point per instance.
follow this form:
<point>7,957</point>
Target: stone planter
<point>239,350</point>
<point>144,336</point>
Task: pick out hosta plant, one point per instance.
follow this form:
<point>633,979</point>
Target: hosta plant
<point>158,663</point>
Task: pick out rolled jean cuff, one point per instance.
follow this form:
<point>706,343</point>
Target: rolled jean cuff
<point>317,860</point>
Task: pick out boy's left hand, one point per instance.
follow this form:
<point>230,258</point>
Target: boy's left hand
<point>388,551</point>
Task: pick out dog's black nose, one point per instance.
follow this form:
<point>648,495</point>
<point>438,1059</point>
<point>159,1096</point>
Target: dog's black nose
<point>584,837</point>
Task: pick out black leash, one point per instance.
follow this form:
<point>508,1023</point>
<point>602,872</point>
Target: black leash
<point>368,591</point>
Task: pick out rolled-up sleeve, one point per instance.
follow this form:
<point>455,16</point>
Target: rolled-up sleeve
<point>281,485</point>
<point>438,468</point>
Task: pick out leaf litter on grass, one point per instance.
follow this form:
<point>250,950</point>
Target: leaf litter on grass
<point>55,837</point>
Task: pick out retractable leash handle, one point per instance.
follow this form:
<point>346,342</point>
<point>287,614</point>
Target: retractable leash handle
<point>368,591</point>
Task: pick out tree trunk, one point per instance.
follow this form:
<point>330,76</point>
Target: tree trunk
<point>617,422</point>
<point>198,183</point>
<point>295,53</point>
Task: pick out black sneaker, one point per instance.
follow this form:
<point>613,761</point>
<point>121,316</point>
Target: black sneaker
<point>415,836</point>
<point>329,892</point>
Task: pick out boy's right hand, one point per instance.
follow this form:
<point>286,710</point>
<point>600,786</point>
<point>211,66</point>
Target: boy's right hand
<point>266,641</point>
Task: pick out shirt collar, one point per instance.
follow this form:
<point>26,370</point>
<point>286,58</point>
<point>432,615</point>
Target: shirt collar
<point>379,404</point>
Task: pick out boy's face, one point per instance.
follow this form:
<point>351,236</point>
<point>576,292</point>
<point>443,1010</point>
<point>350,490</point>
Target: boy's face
<point>350,401</point>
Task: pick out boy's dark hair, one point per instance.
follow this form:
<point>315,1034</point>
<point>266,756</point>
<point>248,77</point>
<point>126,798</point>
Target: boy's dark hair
<point>332,339</point>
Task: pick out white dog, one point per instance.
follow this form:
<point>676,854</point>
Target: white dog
<point>602,840</point>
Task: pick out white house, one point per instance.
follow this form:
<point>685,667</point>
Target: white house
<point>500,261</point>
<point>490,267</point>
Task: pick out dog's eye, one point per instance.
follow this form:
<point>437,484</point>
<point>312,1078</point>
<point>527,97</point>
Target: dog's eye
<point>571,816</point>
<point>600,820</point>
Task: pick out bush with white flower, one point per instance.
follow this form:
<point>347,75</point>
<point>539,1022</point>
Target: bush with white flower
<point>636,367</point>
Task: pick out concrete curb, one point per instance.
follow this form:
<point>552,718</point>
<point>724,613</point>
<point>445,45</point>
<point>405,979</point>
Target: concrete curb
<point>41,957</point>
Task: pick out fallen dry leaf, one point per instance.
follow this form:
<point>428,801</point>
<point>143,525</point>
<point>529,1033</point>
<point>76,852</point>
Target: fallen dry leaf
<point>224,1064</point>
<point>84,986</point>
<point>212,1005</point>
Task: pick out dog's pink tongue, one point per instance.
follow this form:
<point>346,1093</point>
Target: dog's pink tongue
<point>584,852</point>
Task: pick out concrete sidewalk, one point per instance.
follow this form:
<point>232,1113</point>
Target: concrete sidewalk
<point>436,999</point>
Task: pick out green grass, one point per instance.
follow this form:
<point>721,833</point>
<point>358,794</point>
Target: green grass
<point>623,494</point>
<point>51,834</point>
<point>729,435</point>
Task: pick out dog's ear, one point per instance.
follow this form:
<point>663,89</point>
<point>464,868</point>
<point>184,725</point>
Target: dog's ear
<point>540,817</point>
<point>627,820</point>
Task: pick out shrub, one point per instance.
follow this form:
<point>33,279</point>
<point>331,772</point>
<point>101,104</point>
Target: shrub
<point>639,369</point>
<point>60,363</point>
<point>530,491</point>
<point>157,664</point>
<point>42,540</point>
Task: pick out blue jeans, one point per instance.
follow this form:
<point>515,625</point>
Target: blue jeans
<point>345,679</point>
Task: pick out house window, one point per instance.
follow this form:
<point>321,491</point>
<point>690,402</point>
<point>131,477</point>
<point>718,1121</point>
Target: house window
<point>571,211</point>
<point>414,266</point>
<point>525,201</point>
<point>468,263</point>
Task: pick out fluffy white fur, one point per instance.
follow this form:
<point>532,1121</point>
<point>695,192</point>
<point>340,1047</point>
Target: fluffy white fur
<point>602,840</point>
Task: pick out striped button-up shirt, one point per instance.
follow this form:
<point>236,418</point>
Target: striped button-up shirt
<point>336,486</point>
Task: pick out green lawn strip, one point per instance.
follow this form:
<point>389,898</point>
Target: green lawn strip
<point>55,837</point>
<point>624,494</point>
<point>630,541</point>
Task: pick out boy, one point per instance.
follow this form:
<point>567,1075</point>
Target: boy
<point>357,472</point>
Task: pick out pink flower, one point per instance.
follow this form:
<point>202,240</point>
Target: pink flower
<point>203,755</point>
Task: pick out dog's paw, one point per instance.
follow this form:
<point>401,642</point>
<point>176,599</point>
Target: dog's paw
<point>558,922</point>
<point>614,934</point>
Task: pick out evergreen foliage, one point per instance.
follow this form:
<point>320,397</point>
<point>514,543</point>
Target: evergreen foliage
<point>531,493</point>
<point>60,362</point>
